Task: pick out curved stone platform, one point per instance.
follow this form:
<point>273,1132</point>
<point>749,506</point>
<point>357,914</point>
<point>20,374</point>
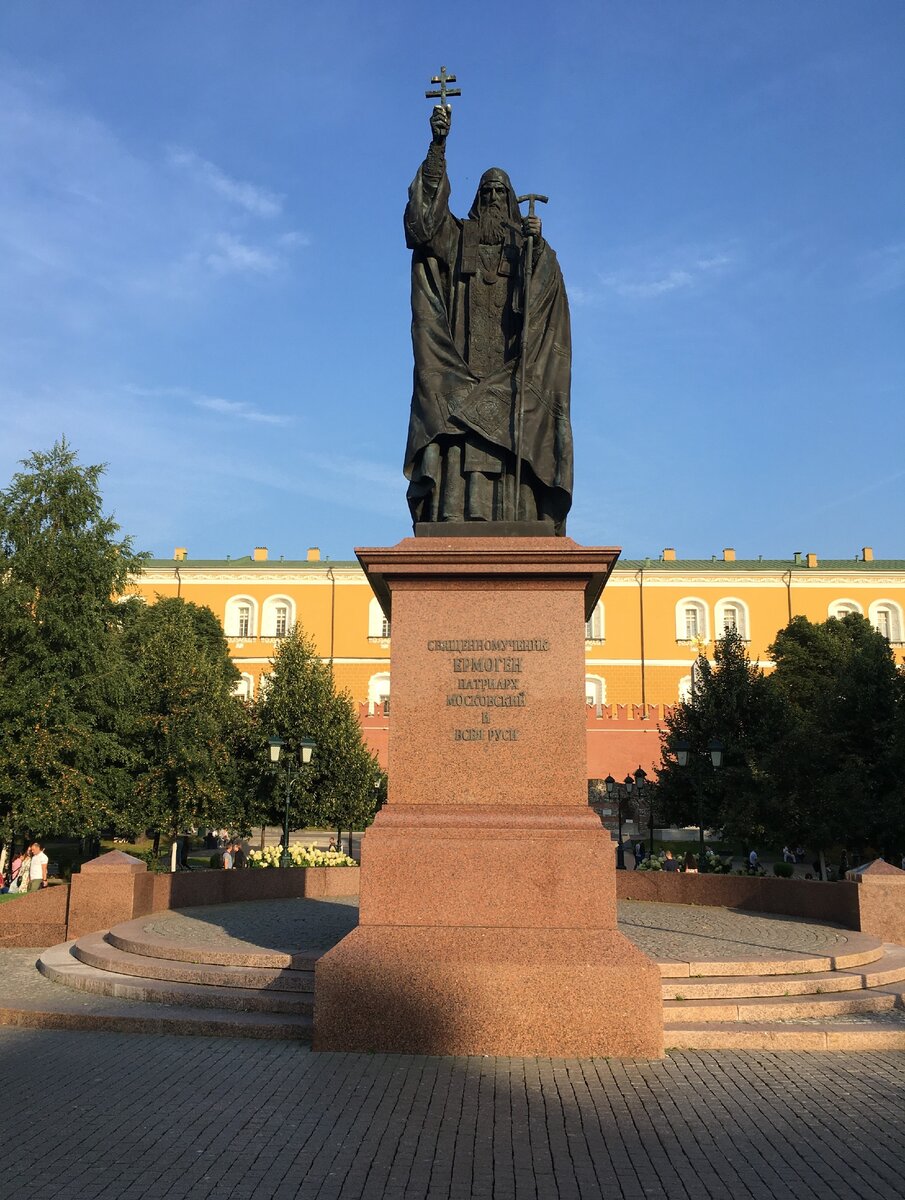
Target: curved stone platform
<point>730,980</point>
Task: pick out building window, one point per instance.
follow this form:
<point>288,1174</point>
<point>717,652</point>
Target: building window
<point>732,614</point>
<point>245,688</point>
<point>278,617</point>
<point>594,629</point>
<point>595,691</point>
<point>691,620</point>
<point>685,689</point>
<point>244,620</point>
<point>241,617</point>
<point>378,624</point>
<point>841,608</point>
<point>379,694</point>
<point>886,618</point>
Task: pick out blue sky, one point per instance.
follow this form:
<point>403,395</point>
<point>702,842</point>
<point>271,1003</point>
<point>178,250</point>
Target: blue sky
<point>203,280</point>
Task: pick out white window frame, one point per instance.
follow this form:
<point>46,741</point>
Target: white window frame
<point>245,686</point>
<point>595,692</point>
<point>895,635</point>
<point>841,608</point>
<point>742,617</point>
<point>703,619</point>
<point>378,693</point>
<point>595,629</point>
<point>269,615</point>
<point>234,605</point>
<point>685,689</point>
<point>378,625</point>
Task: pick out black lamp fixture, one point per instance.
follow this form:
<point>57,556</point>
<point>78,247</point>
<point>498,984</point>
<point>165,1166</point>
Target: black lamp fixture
<point>276,746</point>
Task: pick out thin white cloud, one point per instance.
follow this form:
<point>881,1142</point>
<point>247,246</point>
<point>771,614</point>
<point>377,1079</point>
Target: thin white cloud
<point>217,404</point>
<point>293,238</point>
<point>258,201</point>
<point>90,229</point>
<point>231,255</point>
<point>238,408</point>
<point>659,279</point>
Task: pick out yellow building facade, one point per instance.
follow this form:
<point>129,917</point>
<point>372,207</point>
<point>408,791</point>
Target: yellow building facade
<point>640,643</point>
<point>639,646</point>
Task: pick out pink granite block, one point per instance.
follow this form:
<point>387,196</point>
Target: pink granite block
<point>564,993</point>
<point>487,884</point>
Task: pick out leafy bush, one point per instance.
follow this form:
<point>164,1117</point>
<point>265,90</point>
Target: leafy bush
<point>714,864</point>
<point>149,858</point>
<point>783,869</point>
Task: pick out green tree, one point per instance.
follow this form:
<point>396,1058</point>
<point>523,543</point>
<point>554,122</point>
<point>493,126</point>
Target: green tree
<point>731,702</point>
<point>184,719</point>
<point>300,702</point>
<point>62,677</point>
<point>838,764</point>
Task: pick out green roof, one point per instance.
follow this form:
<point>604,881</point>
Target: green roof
<point>739,566</point>
<point>246,561</point>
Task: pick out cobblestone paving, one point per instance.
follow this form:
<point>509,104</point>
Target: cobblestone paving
<point>287,925</point>
<point>123,1117</point>
<point>665,931</point>
<point>689,932</point>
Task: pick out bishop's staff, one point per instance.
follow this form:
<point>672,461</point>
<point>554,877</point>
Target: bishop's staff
<point>531,198</point>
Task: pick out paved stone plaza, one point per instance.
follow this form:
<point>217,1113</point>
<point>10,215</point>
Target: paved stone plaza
<point>128,1116</point>
<point>124,1115</point>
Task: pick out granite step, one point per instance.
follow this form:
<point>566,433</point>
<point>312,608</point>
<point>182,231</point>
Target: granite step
<point>96,950</point>
<point>889,968</point>
<point>136,1017</point>
<point>858,950</point>
<point>134,937</point>
<point>60,965</point>
<point>779,1008</point>
<point>829,1035</point>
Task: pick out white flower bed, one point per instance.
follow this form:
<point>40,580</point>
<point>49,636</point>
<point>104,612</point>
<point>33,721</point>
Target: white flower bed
<point>300,856</point>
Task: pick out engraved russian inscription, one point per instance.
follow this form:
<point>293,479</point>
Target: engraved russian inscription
<point>488,674</point>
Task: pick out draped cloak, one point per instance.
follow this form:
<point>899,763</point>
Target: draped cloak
<point>449,399</point>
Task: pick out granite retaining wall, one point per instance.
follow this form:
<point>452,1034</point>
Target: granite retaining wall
<point>116,888</point>
<point>812,899</point>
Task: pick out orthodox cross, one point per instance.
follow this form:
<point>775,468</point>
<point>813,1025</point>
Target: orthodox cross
<point>443,91</point>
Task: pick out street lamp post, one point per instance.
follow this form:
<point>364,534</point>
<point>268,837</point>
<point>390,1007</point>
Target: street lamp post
<point>276,745</point>
<point>641,789</point>
<point>614,791</point>
<point>715,750</point>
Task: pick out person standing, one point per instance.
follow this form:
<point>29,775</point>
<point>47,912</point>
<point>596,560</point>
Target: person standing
<point>18,878</point>
<point>37,868</point>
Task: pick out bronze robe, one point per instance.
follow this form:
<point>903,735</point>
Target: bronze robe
<point>450,399</point>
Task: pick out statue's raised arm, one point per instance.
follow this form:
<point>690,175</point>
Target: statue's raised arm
<point>468,301</point>
<point>428,208</point>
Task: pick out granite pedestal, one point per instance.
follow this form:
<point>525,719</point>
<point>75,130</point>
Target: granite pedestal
<point>488,918</point>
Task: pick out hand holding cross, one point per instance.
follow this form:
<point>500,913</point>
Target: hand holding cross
<point>442,114</point>
<point>441,118</point>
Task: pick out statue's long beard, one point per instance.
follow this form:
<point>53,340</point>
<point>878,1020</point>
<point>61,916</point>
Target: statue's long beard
<point>493,226</point>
